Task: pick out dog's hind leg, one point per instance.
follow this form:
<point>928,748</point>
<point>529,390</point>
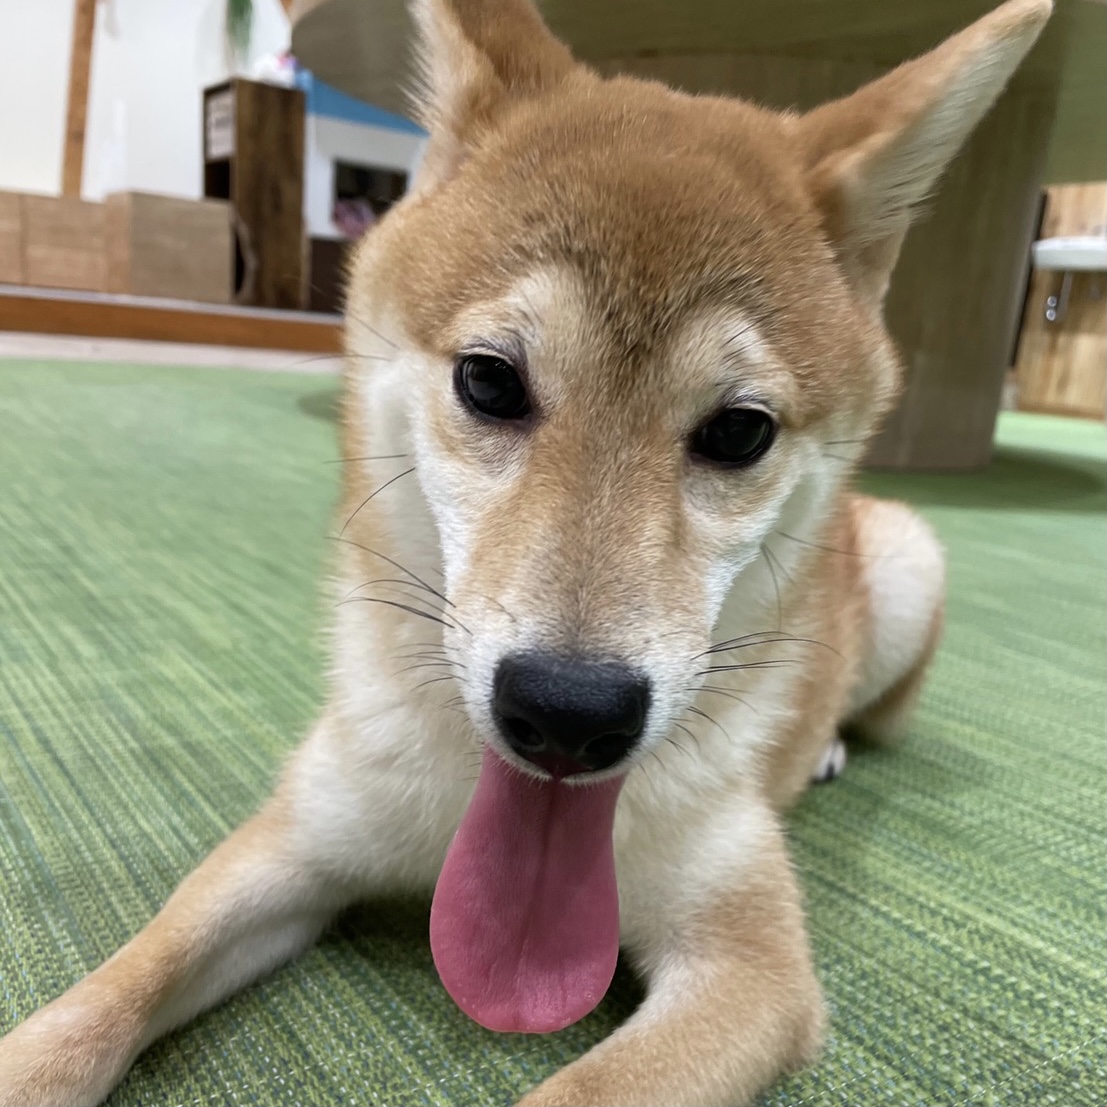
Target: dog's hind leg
<point>251,905</point>
<point>732,1000</point>
<point>904,577</point>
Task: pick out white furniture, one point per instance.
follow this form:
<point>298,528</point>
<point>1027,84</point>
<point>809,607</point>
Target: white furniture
<point>1069,254</point>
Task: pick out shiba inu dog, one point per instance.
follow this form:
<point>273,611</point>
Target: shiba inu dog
<point>610,365</point>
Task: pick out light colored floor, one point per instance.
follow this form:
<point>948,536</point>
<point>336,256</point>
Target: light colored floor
<point>25,346</point>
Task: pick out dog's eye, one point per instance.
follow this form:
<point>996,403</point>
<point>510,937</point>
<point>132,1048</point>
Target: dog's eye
<point>491,387</point>
<point>735,437</point>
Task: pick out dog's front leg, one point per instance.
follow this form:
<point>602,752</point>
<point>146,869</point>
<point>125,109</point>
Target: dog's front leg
<point>732,1003</point>
<point>251,905</point>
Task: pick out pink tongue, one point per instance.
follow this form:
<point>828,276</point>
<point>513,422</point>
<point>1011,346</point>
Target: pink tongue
<point>524,927</point>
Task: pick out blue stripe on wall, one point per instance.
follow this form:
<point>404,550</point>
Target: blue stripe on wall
<point>326,100</point>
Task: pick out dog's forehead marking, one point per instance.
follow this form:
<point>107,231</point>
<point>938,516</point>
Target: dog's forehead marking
<point>729,355</point>
<point>715,351</point>
<point>525,313</point>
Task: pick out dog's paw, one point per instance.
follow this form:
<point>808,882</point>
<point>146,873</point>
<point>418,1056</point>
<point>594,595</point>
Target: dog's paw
<point>832,762</point>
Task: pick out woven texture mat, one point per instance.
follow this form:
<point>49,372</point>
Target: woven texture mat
<point>162,535</point>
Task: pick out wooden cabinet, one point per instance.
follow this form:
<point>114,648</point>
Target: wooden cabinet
<point>1062,362</point>
<point>254,157</point>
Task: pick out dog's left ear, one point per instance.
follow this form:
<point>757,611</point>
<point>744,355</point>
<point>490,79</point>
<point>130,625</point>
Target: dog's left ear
<point>874,156</point>
<point>476,57</point>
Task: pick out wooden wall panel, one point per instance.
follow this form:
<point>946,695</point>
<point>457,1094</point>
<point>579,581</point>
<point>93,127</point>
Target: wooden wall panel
<point>64,243</point>
<point>11,239</point>
<point>165,246</point>
<point>1062,366</point>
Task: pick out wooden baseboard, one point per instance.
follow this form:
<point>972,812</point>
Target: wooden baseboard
<point>98,315</point>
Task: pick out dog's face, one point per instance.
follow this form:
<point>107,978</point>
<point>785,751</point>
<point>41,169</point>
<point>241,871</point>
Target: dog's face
<point>640,333</point>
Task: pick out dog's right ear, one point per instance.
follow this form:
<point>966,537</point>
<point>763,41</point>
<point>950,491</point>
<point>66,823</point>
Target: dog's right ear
<point>476,56</point>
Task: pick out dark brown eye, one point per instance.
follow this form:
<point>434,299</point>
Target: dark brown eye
<point>735,437</point>
<point>491,387</point>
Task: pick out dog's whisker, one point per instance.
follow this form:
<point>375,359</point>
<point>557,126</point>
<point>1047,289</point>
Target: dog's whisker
<point>402,584</point>
<point>670,741</point>
<point>371,495</point>
<point>749,636</point>
<point>425,649</point>
<point>395,603</point>
<point>448,619</point>
<point>680,726</point>
<point>831,549</point>
<point>740,644</point>
<point>384,580</point>
<point>711,719</point>
<point>502,608</point>
<point>769,557</point>
<point>648,775</point>
<point>745,641</point>
<point>430,655</point>
<point>371,457</point>
<point>433,680</point>
<point>301,361</point>
<point>748,665</point>
<point>396,565</point>
<point>426,664</point>
<point>714,690</point>
<point>426,655</point>
<point>361,322</point>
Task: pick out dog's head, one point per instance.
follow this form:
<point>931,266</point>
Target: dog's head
<point>631,332</point>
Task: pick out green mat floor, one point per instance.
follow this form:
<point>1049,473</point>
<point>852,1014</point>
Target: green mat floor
<point>162,535</point>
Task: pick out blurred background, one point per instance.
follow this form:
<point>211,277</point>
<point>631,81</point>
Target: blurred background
<point>228,152</point>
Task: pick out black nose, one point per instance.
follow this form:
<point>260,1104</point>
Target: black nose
<point>569,715</point>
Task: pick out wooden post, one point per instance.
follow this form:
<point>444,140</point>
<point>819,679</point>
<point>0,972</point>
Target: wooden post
<point>76,112</point>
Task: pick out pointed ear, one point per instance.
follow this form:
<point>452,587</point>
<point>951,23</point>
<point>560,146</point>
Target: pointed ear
<point>874,156</point>
<point>474,57</point>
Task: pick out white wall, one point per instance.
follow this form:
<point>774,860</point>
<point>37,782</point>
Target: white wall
<point>151,60</point>
<point>330,139</point>
<point>34,71</point>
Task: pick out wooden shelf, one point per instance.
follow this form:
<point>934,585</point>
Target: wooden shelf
<point>100,315</point>
<point>254,157</point>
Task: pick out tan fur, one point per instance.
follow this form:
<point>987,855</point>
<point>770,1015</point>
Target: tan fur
<point>885,718</point>
<point>646,257</point>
